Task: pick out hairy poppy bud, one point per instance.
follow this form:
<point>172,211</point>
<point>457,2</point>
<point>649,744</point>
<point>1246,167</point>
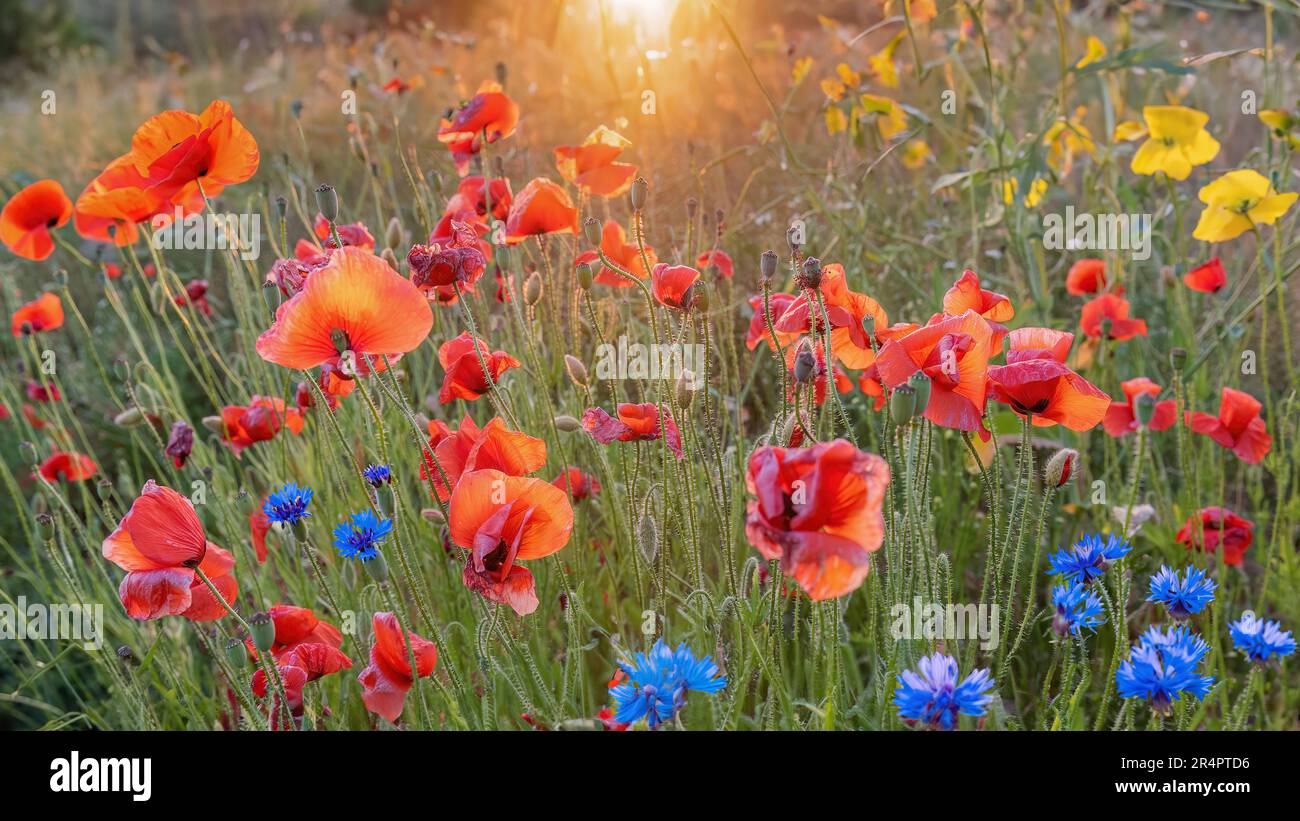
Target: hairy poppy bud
<point>805,364</point>
<point>1144,406</point>
<point>1060,467</point>
<point>567,424</point>
<point>692,207</point>
<point>263,631</point>
<point>1178,358</point>
<point>104,490</point>
<point>377,567</point>
<point>902,405</point>
<point>810,276</point>
<point>586,273</point>
<point>129,418</point>
<point>533,289</point>
<point>393,233</point>
<point>236,654</point>
<point>767,264</point>
<point>327,202</point>
<point>684,390</point>
<point>577,370</point>
<point>27,452</point>
<point>390,256</point>
<point>591,229</point>
<point>433,514</point>
<point>921,384</point>
<point>214,424</point>
<point>647,537</point>
<point>636,195</point>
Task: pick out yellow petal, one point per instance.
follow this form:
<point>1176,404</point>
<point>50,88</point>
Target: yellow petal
<point>800,70</point>
<point>1235,187</point>
<point>1219,225</point>
<point>1174,122</point>
<point>1268,211</point>
<point>848,76</point>
<point>1130,130</point>
<point>1155,156</point>
<point>836,121</point>
<point>1203,148</point>
<point>833,89</point>
<point>1276,118</point>
<point>1096,49</point>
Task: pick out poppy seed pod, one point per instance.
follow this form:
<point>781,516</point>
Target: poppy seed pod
<point>636,195</point>
<point>577,370</point>
<point>236,654</point>
<point>921,384</point>
<point>27,452</point>
<point>46,523</point>
<point>263,631</point>
<point>281,207</point>
<point>377,567</point>
<point>567,424</point>
<point>214,424</point>
<point>767,264</point>
<point>1144,406</point>
<point>902,405</point>
<point>586,274</point>
<point>700,296</point>
<point>792,239</point>
<point>805,365</point>
<point>591,229</point>
<point>1178,358</point>
<point>810,276</point>
<point>533,289</point>
<point>126,654</point>
<point>129,418</point>
<point>1060,466</point>
<point>327,202</point>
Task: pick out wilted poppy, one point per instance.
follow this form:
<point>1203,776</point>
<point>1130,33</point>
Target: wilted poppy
<point>354,303</point>
<point>258,421</point>
<point>591,166</point>
<point>845,309</point>
<point>577,484</point>
<point>1120,418</point>
<point>465,378</point>
<point>818,510</point>
<point>196,294</point>
<point>159,542</point>
<point>672,284</point>
<point>473,448</point>
<point>716,259</point>
<point>1238,426</point>
<point>67,467</point>
<point>1218,526</point>
<point>1207,278</point>
<point>1049,393</point>
<point>489,115</point>
<point>635,423</point>
<point>1087,276</point>
<point>45,313</point>
<point>967,295</point>
<point>543,207</point>
<point>30,215</point>
<point>954,353</point>
<point>386,680</point>
<point>38,392</point>
<point>502,520</point>
<point>624,254</point>
<point>1113,307</point>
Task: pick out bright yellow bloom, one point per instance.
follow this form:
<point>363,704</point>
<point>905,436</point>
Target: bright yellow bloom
<point>1095,51</point>
<point>890,120</point>
<point>1178,141</point>
<point>1065,139</point>
<point>1236,202</point>
<point>833,89</point>
<point>836,120</point>
<point>915,154</point>
<point>1282,124</point>
<point>848,76</point>
<point>800,70</point>
<point>882,64</point>
<point>1037,189</point>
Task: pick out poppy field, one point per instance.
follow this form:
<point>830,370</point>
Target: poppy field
<point>653,365</point>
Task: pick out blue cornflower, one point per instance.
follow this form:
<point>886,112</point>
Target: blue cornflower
<point>359,537</point>
<point>1260,639</point>
<point>657,683</point>
<point>935,698</point>
<point>1162,666</point>
<point>377,475</point>
<point>1089,557</point>
<point>288,505</point>
<point>1183,595</point>
<point>1077,608</point>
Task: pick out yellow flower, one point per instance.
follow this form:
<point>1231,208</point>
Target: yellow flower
<point>1065,139</point>
<point>833,89</point>
<point>1037,189</point>
<point>915,154</point>
<point>848,76</point>
<point>1178,141</point>
<point>1095,51</point>
<point>890,120</point>
<point>800,70</point>
<point>882,64</point>
<point>836,121</point>
<point>1128,131</point>
<point>1282,124</point>
<point>1236,202</point>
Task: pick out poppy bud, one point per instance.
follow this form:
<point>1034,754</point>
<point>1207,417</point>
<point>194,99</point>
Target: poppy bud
<point>104,489</point>
<point>591,228</point>
<point>533,289</point>
<point>390,256</point>
<point>281,207</point>
<point>377,567</point>
<point>647,536</point>
<point>810,276</point>
<point>1060,466</point>
<point>263,631</point>
<point>129,418</point>
<point>577,370</point>
<point>805,364</point>
<point>433,514</point>
<point>1178,358</point>
<point>327,202</point>
<point>902,405</point>
<point>27,452</point>
<point>122,368</point>
<point>637,193</point>
<point>1144,406</point>
<point>393,233</point>
<point>700,296</point>
<point>921,384</point>
<point>685,388</point>
<point>214,424</point>
<point>567,424</point>
<point>767,264</point>
<point>792,238</point>
<point>586,273</point>
<point>692,207</point>
<point>46,523</point>
<point>236,654</point>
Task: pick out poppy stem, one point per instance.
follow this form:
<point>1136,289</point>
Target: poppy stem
<point>828,355</point>
<point>776,348</point>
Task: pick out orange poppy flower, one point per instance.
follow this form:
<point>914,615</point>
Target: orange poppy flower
<point>502,520</point>
<point>1087,276</point>
<point>258,421</point>
<point>159,542</point>
<point>470,194</point>
<point>30,215</point>
<point>543,207</point>
<point>1049,393</point>
<point>489,115</point>
<point>870,384</point>
<point>954,353</point>
<point>464,377</point>
<point>1207,278</point>
<point>716,259</point>
<point>1120,418</point>
<point>591,166</point>
<point>1219,526</point>
<point>473,448</point>
<point>68,467</point>
<point>635,423</point>
<point>1039,343</point>
<point>777,304</point>
<point>112,204</point>
<point>818,510</point>
<point>1114,307</point>
<point>354,303</point>
<point>613,241</point>
<point>178,151</point>
<point>1238,426</point>
<point>581,485</point>
<point>672,284</point>
<point>386,680</point>
<point>45,313</point>
<point>967,295</point>
<point>845,309</point>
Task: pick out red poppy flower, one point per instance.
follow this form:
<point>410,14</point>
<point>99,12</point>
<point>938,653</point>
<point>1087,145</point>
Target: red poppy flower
<point>580,485</point>
<point>304,663</point>
<point>870,384</point>
<point>541,208</point>
<point>473,448</point>
<point>1219,526</point>
<point>716,259</point>
<point>464,377</point>
<point>502,520</point>
<point>1207,278</point>
<point>967,295</point>
<point>1120,418</point>
<point>1238,426</point>
<point>159,542</point>
<point>258,421</point>
<point>845,309</point>
<point>954,353</point>
<point>470,193</point>
<point>45,313</point>
<point>42,393</point>
<point>296,627</point>
<point>635,423</point>
<point>460,213</point>
<point>67,467</point>
<point>818,510</point>
<point>30,215</point>
<point>1039,343</point>
<point>1114,307</point>
<point>386,680</point>
<point>355,301</point>
<point>777,305</point>
<point>259,524</point>
<point>1049,393</point>
<point>671,284</point>
<point>624,254</point>
<point>33,419</point>
<point>457,261</point>
<point>438,430</point>
<point>354,235</point>
<point>489,115</point>
<point>1087,276</point>
<point>113,271</point>
<point>289,274</point>
<point>176,151</point>
<point>196,294</point>
<point>591,166</point>
<point>180,443</point>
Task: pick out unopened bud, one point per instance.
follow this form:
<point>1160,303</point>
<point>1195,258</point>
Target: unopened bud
<point>433,514</point>
<point>1178,358</point>
<point>129,418</point>
<point>577,370</point>
<point>390,256</point>
<point>767,264</point>
<point>393,233</point>
<point>327,202</point>
<point>684,390</point>
<point>236,654</point>
<point>533,289</point>
<point>1060,467</point>
<point>376,567</point>
<point>567,424</point>
<point>636,195</point>
<point>214,424</point>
